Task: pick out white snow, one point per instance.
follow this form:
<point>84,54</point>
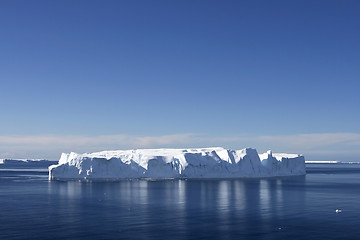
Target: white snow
<point>176,163</point>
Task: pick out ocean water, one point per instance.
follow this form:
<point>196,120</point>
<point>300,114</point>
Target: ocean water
<point>31,207</point>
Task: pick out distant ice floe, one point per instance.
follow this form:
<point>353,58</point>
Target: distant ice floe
<point>25,163</point>
<point>332,162</point>
<point>320,162</point>
<point>177,163</point>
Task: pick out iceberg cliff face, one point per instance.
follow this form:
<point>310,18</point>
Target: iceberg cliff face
<point>176,163</point>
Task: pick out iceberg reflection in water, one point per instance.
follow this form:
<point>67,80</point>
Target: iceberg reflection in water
<point>269,208</point>
<point>177,208</point>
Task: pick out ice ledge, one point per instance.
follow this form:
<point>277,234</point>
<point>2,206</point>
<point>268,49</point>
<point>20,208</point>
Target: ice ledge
<point>177,163</point>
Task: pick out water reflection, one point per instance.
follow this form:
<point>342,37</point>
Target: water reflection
<point>265,196</point>
<point>180,208</point>
<point>275,208</point>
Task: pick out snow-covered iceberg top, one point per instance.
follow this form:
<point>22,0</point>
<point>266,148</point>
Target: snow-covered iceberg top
<point>176,163</point>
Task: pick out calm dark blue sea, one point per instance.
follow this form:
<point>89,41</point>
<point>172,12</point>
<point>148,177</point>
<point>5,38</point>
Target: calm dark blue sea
<point>31,207</point>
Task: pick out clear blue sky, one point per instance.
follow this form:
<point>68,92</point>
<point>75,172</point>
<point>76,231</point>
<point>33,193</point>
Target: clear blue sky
<point>157,68</point>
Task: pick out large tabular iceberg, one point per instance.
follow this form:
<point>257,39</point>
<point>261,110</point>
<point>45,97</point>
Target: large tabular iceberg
<point>176,163</point>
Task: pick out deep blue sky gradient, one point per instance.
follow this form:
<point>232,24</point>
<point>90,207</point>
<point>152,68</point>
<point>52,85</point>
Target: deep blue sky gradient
<point>167,67</point>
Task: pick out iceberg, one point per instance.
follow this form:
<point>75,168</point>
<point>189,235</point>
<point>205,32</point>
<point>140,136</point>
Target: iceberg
<point>176,163</point>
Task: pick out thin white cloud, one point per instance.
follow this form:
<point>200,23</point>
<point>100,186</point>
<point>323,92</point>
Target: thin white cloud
<point>314,145</point>
<point>52,146</point>
<point>93,140</point>
<point>312,141</point>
